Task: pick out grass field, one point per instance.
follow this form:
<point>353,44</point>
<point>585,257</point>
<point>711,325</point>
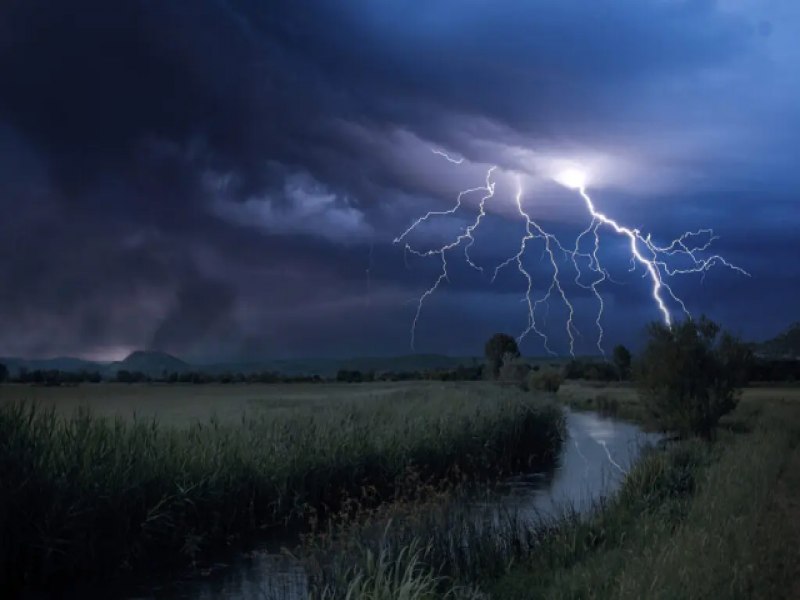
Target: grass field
<point>184,404</point>
<point>622,400</point>
<point>694,520</point>
<point>82,493</point>
<point>162,472</point>
<point>699,521</point>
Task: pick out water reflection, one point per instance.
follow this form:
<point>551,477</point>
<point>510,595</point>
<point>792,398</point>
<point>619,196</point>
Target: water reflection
<point>592,464</point>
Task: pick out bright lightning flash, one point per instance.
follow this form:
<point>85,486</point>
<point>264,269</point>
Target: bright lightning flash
<point>644,251</point>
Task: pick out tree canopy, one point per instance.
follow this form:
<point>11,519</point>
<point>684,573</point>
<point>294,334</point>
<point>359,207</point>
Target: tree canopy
<point>689,375</point>
<point>497,347</point>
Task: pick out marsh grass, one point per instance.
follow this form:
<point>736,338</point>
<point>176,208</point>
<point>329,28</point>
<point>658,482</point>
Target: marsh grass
<point>690,522</point>
<point>497,550</point>
<point>83,495</point>
<point>693,519</point>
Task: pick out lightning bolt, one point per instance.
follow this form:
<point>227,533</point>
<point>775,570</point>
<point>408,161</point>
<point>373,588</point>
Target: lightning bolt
<point>488,190</point>
<point>534,231</point>
<point>572,435</point>
<point>610,458</point>
<point>655,266</point>
<point>657,261</point>
<point>447,157</point>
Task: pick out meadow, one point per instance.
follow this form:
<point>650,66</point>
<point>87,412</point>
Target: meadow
<point>180,404</point>
<point>102,478</point>
<point>693,519</point>
<point>106,478</point>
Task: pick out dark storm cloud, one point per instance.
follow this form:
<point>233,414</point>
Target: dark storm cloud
<point>200,306</point>
<point>209,176</point>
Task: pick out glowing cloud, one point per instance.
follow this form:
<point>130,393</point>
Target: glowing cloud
<point>657,261</point>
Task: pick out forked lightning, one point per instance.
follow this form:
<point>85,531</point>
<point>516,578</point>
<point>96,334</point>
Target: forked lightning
<point>589,272</point>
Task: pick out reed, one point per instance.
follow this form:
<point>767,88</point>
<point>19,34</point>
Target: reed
<point>85,495</point>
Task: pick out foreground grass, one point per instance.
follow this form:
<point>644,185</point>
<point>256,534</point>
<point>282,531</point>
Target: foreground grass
<point>86,495</point>
<point>696,520</point>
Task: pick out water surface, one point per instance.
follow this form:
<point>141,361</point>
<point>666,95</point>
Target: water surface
<point>593,461</point>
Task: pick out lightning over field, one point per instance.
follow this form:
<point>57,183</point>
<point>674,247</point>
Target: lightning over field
<point>684,255</point>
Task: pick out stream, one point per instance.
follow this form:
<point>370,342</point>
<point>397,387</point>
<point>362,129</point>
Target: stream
<point>596,455</point>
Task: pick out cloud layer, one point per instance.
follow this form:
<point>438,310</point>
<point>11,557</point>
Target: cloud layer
<point>224,179</point>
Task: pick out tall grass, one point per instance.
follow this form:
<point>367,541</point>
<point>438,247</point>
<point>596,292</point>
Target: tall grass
<point>87,495</point>
<point>506,555</point>
<point>692,520</point>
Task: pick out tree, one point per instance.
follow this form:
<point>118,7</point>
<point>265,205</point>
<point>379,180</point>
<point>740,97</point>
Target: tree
<point>622,360</point>
<point>3,373</point>
<point>689,375</point>
<point>496,348</point>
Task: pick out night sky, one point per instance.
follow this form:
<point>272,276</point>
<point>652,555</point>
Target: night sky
<point>224,180</point>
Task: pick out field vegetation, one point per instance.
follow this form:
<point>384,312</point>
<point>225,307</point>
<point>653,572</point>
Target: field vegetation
<point>84,494</point>
<point>374,477</point>
<point>701,517</point>
<point>695,519</point>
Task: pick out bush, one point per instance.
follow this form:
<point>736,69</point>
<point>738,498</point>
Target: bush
<point>547,380</point>
<point>591,371</point>
<point>690,374</point>
<point>514,370</point>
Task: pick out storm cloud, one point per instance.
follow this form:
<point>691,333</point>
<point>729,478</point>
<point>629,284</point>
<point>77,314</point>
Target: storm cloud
<point>224,179</point>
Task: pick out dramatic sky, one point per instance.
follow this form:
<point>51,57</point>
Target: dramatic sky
<point>224,179</point>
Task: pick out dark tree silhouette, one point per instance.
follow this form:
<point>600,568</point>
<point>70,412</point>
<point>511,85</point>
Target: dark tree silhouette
<point>496,348</point>
<point>690,374</point>
<point>622,360</point>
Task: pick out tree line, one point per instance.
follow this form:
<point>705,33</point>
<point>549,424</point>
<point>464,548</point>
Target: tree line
<point>502,363</point>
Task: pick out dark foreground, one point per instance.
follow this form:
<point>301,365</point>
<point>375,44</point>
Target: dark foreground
<point>692,519</point>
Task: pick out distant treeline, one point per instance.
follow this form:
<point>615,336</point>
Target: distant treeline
<point>54,377</point>
<point>595,371</point>
<point>473,373</point>
<point>124,376</point>
<point>760,370</point>
<point>51,376</point>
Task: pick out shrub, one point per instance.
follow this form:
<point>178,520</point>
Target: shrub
<point>546,380</point>
<point>514,370</point>
<point>689,375</point>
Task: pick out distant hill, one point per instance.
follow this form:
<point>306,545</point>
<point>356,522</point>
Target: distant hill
<point>784,345</point>
<point>150,363</point>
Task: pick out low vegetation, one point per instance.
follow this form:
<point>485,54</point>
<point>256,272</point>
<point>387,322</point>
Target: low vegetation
<point>375,484</point>
<point>87,495</point>
<point>695,519</point>
<point>692,520</point>
<point>546,380</point>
